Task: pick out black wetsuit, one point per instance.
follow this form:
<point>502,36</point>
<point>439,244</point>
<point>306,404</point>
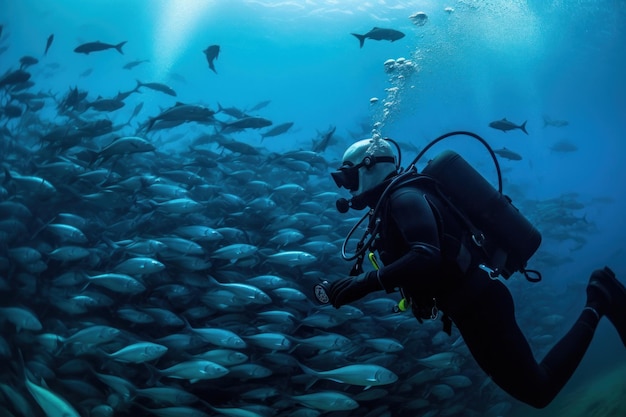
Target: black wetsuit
<point>414,222</point>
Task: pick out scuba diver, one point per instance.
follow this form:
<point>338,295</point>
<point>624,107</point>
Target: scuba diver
<point>443,255</point>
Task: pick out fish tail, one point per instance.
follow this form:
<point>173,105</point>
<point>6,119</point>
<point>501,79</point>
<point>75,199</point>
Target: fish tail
<point>361,39</point>
<point>119,47</point>
<point>151,123</point>
<point>310,372</point>
<point>214,282</point>
<point>523,127</point>
<point>155,374</point>
<point>212,67</point>
<point>7,176</point>
<point>93,156</point>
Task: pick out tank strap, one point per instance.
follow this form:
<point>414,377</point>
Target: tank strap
<point>477,235</point>
<point>463,256</point>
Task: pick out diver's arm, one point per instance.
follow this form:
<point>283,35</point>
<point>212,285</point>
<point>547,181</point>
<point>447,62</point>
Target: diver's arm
<point>418,226</point>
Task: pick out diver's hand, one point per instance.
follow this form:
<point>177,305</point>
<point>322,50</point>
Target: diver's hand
<point>347,290</point>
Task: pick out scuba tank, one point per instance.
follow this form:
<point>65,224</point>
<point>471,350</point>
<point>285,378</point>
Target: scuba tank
<point>507,239</point>
<point>506,236</point>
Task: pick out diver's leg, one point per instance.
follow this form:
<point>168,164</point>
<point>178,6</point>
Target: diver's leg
<point>498,345</point>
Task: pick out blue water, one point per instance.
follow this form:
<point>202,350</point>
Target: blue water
<point>480,62</point>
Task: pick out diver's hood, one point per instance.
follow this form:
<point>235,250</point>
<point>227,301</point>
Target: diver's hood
<point>366,163</point>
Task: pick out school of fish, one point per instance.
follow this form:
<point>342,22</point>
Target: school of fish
<point>178,282</point>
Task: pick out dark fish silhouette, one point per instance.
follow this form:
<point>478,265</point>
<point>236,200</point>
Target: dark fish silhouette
<point>212,53</point>
<point>260,105</point>
<point>379,34</point>
<point>48,43</point>
<point>15,77</point>
<point>89,47</point>
<point>325,139</point>
<point>508,154</point>
<point>505,125</point>
<point>156,87</point>
<point>27,61</point>
<point>133,64</point>
<point>564,146</point>
<point>231,111</point>
<point>104,104</point>
<point>278,130</point>
<point>548,121</point>
<point>245,123</point>
<point>183,113</point>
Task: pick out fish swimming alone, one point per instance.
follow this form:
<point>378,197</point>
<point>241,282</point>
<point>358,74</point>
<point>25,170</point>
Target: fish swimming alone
<point>379,34</point>
<point>89,47</point>
<point>505,125</point>
<point>563,146</point>
<point>48,43</point>
<point>548,121</point>
<point>212,53</point>
<point>133,64</point>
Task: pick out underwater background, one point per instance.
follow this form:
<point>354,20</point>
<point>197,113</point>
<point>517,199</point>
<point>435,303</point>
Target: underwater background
<point>556,65</point>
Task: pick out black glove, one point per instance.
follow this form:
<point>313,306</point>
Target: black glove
<point>347,290</point>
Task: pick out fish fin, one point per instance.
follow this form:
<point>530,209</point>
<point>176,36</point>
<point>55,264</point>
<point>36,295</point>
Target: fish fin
<point>523,127</point>
<point>306,369</point>
<point>86,285</point>
<point>155,374</point>
<point>7,176</point>
<point>310,384</point>
<point>151,123</point>
<point>22,365</point>
<point>361,39</point>
<point>214,282</point>
<point>119,47</point>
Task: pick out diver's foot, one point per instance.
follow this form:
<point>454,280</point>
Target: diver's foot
<point>614,294</point>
